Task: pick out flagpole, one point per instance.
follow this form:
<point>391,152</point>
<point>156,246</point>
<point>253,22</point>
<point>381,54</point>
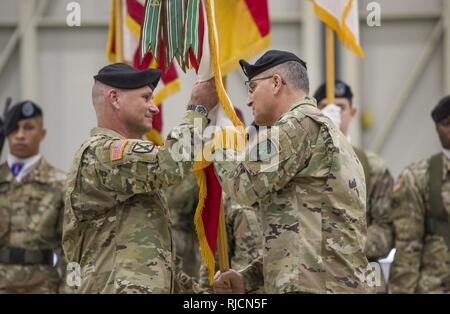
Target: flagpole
<point>224,263</point>
<point>222,244</point>
<point>329,43</point>
<point>118,30</point>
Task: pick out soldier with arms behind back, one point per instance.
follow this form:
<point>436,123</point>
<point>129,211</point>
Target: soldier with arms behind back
<point>421,208</point>
<point>31,208</point>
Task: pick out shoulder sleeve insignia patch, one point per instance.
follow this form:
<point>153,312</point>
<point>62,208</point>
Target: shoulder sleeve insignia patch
<point>117,148</point>
<point>143,147</point>
<point>266,150</point>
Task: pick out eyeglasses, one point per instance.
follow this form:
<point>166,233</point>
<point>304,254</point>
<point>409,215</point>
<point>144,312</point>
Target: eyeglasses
<point>251,85</point>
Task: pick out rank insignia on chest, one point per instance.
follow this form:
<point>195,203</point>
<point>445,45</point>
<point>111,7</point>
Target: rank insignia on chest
<point>143,147</point>
<point>117,149</point>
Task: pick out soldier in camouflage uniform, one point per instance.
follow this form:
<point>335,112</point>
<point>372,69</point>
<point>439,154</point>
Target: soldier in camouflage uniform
<point>311,194</point>
<point>379,181</point>
<point>421,209</point>
<point>31,208</point>
<point>117,225</point>
<point>244,237</point>
<point>182,201</point>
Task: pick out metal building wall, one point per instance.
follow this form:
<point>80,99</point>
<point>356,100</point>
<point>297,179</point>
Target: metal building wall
<point>54,65</point>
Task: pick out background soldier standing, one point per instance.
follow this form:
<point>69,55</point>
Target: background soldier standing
<point>379,181</point>
<point>31,208</point>
<point>421,209</point>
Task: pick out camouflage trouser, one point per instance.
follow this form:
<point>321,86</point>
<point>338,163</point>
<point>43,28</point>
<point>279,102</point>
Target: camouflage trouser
<point>28,279</point>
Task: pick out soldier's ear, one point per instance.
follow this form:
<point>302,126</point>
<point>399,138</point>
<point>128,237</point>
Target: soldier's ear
<point>353,111</point>
<point>277,81</point>
<point>43,133</point>
<point>113,98</point>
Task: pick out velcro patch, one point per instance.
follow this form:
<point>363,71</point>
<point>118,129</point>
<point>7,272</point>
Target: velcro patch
<point>263,151</point>
<point>117,148</point>
<point>141,147</point>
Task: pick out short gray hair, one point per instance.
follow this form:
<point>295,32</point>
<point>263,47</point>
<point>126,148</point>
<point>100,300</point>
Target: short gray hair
<point>295,74</point>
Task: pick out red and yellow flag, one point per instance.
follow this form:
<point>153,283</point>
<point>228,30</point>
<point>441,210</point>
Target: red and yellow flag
<point>243,29</point>
<point>124,46</point>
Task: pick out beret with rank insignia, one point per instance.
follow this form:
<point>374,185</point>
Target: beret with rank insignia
<point>341,90</point>
<point>20,111</point>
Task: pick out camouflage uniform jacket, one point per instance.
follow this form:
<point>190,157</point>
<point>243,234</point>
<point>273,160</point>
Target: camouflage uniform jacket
<point>244,237</point>
<point>422,261</point>
<point>379,220</point>
<point>31,214</point>
<point>312,207</point>
<point>117,225</point>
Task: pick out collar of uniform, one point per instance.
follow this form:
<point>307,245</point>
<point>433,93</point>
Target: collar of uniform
<point>11,159</point>
<point>107,132</point>
<point>40,173</point>
<point>309,101</point>
<point>28,164</point>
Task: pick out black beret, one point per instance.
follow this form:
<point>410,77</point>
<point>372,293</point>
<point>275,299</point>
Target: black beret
<point>124,76</point>
<point>20,111</point>
<point>268,60</point>
<point>442,110</point>
<point>341,89</point>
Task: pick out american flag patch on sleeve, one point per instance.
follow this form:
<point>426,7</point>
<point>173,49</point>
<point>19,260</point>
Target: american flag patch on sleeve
<point>117,148</point>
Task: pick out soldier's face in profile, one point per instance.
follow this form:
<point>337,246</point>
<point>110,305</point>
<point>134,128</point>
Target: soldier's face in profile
<point>347,111</point>
<point>443,129</point>
<point>137,109</point>
<point>24,142</point>
<point>260,99</point>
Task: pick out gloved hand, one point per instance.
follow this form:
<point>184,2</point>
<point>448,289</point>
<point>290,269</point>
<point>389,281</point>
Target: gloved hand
<point>333,112</point>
